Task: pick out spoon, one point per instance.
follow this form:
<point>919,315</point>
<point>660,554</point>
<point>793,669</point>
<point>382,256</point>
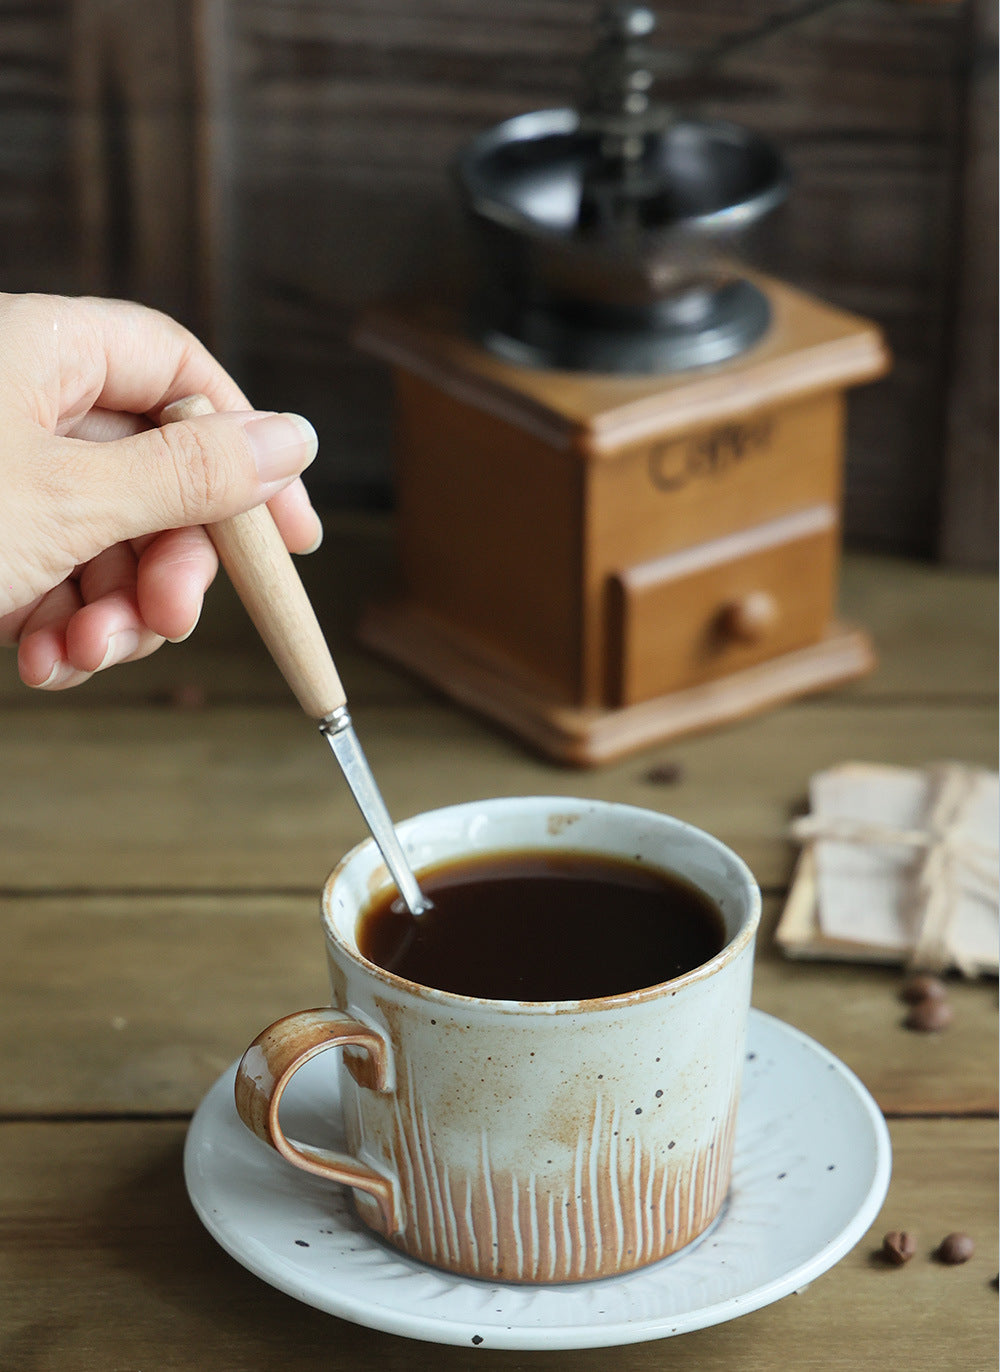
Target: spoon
<point>266,581</point>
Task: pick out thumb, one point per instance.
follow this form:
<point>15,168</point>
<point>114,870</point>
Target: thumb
<point>195,471</point>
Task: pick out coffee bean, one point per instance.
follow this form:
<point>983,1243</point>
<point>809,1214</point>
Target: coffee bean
<point>923,987</point>
<point>955,1248</point>
<point>664,774</point>
<point>929,1016</point>
<point>898,1246</point>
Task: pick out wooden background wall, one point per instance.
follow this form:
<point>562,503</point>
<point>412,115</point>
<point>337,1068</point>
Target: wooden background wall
<point>263,169</point>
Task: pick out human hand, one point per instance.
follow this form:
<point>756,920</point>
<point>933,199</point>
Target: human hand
<point>102,551</point>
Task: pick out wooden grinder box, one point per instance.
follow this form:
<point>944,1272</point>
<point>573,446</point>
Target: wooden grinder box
<point>601,562</point>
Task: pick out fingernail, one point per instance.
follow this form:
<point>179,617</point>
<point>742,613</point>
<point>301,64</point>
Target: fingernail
<point>183,637</point>
<point>120,646</point>
<point>61,672</point>
<point>282,444</point>
<point>317,541</point>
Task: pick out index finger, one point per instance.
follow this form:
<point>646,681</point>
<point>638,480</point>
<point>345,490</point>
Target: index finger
<point>65,357</point>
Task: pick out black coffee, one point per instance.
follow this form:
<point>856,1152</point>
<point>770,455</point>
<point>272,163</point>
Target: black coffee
<point>538,925</point>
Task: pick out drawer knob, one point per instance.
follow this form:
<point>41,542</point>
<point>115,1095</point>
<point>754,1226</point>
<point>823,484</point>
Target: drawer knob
<point>750,617</point>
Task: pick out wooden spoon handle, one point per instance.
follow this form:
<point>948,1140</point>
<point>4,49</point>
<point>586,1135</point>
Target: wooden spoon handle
<point>261,569</point>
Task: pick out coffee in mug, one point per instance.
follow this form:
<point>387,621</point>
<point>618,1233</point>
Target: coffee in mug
<point>532,925</point>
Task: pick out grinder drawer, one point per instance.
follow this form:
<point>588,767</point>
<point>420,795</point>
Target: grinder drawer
<point>682,619</point>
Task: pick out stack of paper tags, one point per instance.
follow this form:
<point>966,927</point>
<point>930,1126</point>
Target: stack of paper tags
<point>899,865</point>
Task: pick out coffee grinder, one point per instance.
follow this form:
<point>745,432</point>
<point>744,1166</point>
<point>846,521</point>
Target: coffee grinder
<point>619,469</point>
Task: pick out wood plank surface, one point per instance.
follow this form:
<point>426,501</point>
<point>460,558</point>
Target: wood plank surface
<point>103,1265</point>
<point>164,833</point>
<point>121,798</point>
<point>136,1002</point>
<point>203,740</point>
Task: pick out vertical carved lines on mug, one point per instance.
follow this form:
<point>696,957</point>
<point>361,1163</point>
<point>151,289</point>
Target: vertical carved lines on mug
<point>628,1203</point>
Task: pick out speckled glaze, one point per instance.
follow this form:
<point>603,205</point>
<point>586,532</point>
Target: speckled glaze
<point>526,1141</point>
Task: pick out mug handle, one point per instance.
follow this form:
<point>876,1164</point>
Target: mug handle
<point>269,1064</point>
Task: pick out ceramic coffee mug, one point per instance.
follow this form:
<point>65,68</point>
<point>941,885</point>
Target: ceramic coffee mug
<point>516,1140</point>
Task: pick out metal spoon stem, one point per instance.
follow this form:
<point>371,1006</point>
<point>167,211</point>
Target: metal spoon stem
<point>339,733</point>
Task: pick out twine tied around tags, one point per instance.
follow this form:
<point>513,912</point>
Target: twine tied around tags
<point>945,850</point>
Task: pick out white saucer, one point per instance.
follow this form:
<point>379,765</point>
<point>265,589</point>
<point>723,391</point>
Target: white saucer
<point>810,1174</point>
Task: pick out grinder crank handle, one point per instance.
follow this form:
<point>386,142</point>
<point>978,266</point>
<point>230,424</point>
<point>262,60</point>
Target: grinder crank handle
<point>261,569</point>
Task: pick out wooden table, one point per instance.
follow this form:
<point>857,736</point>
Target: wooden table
<point>165,831</point>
